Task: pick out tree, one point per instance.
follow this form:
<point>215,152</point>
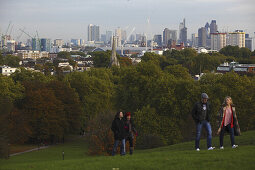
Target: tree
<point>101,59</point>
<point>64,55</point>
<point>10,60</point>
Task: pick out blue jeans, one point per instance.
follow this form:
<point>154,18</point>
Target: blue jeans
<point>122,147</point>
<point>209,133</point>
<point>231,131</point>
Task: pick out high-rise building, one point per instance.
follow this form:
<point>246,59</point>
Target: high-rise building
<point>138,37</point>
<point>10,45</point>
<point>183,32</point>
<point>169,36</point>
<point>103,38</point>
<point>132,38</point>
<point>45,44</point>
<point>35,44</point>
<point>202,37</point>
<point>58,42</point>
<point>213,27</point>
<point>248,42</point>
<point>237,38</point>
<point>158,40</point>
<point>75,42</point>
<point>108,36</point>
<point>218,41</point>
<point>194,40</point>
<point>123,35</point>
<point>93,33</point>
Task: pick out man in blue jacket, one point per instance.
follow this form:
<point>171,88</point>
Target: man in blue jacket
<point>201,114</point>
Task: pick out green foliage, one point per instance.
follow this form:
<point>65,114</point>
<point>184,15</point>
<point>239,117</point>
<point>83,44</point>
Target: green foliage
<point>101,59</point>
<point>236,51</point>
<point>10,60</point>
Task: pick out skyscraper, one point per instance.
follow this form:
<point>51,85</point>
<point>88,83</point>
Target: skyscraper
<point>118,32</point>
<point>169,36</point>
<point>158,40</point>
<point>194,40</point>
<point>202,37</point>
<point>108,36</point>
<point>93,33</point>
<point>218,41</point>
<point>183,32</point>
<point>213,27</point>
<point>36,44</point>
<point>45,44</point>
<point>237,38</point>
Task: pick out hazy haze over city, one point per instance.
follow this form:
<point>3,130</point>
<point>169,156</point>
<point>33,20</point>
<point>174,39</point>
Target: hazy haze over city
<point>69,19</point>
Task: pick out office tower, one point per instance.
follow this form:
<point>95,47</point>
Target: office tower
<point>132,38</point>
<point>213,27</point>
<point>183,32</point>
<point>58,42</point>
<point>103,38</point>
<point>202,37</point>
<point>93,33</point>
<point>237,38</point>
<point>248,42</point>
<point>169,36</point>
<point>75,42</point>
<point>194,40</point>
<point>138,37</point>
<point>158,40</point>
<point>35,44</point>
<point>108,36</point>
<point>45,44</point>
<point>218,41</point>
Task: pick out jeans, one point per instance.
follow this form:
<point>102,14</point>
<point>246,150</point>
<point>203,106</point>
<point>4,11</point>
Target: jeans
<point>208,128</point>
<point>231,131</point>
<point>122,147</point>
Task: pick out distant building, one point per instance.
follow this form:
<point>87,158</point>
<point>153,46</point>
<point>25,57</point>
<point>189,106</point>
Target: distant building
<point>194,40</point>
<point>183,32</point>
<point>158,40</point>
<point>248,42</point>
<point>75,42</point>
<point>169,36</point>
<point>45,44</point>
<point>202,37</point>
<point>213,27</point>
<point>108,37</point>
<point>237,38</point>
<point>35,44</point>
<point>178,47</point>
<point>138,37</point>
<point>10,45</point>
<point>23,54</point>
<point>132,38</point>
<point>6,70</point>
<point>58,42</point>
<point>93,33</point>
<point>103,38</point>
<point>236,67</point>
<point>218,41</point>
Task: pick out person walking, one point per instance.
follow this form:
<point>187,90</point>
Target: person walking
<point>130,131</point>
<point>201,113</point>
<point>119,133</point>
<point>228,122</point>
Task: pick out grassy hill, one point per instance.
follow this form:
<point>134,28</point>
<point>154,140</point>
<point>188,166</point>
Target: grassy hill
<point>179,156</point>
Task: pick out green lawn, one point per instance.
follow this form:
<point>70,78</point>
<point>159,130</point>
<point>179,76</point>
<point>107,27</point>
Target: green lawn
<point>179,156</point>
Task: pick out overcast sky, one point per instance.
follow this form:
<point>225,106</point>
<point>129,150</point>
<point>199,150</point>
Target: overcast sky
<point>68,19</point>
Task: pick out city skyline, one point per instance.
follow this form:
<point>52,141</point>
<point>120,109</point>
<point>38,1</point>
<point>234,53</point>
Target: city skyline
<point>66,20</point>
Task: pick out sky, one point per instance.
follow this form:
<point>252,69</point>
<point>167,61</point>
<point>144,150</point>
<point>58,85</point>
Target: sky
<point>68,19</point>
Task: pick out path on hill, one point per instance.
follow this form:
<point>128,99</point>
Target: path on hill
<point>30,150</point>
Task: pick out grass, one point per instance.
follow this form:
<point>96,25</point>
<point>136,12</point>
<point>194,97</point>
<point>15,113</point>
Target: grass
<point>179,156</point>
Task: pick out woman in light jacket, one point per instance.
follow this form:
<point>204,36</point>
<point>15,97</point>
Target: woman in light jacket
<point>228,122</point>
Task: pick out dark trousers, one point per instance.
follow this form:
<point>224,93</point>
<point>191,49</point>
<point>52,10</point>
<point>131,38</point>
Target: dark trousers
<point>208,128</point>
<point>231,131</point>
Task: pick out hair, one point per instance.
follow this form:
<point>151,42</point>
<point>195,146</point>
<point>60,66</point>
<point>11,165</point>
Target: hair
<point>225,101</point>
<point>117,114</point>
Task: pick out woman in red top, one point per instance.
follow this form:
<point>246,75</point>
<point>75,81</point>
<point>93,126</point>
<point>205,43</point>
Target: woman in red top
<point>228,121</point>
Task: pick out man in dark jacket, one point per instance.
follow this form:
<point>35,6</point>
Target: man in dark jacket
<point>201,113</point>
<point>119,133</point>
<point>130,131</point>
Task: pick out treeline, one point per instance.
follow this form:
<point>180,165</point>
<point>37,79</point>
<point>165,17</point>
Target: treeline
<point>159,92</point>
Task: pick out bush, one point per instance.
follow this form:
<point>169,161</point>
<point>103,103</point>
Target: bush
<point>100,135</point>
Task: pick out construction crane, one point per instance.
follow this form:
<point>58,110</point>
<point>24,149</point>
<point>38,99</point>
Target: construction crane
<point>18,37</point>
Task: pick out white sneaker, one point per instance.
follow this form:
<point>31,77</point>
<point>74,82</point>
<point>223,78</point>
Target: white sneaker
<point>234,146</point>
<point>221,147</point>
<point>211,148</point>
<point>197,149</point>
